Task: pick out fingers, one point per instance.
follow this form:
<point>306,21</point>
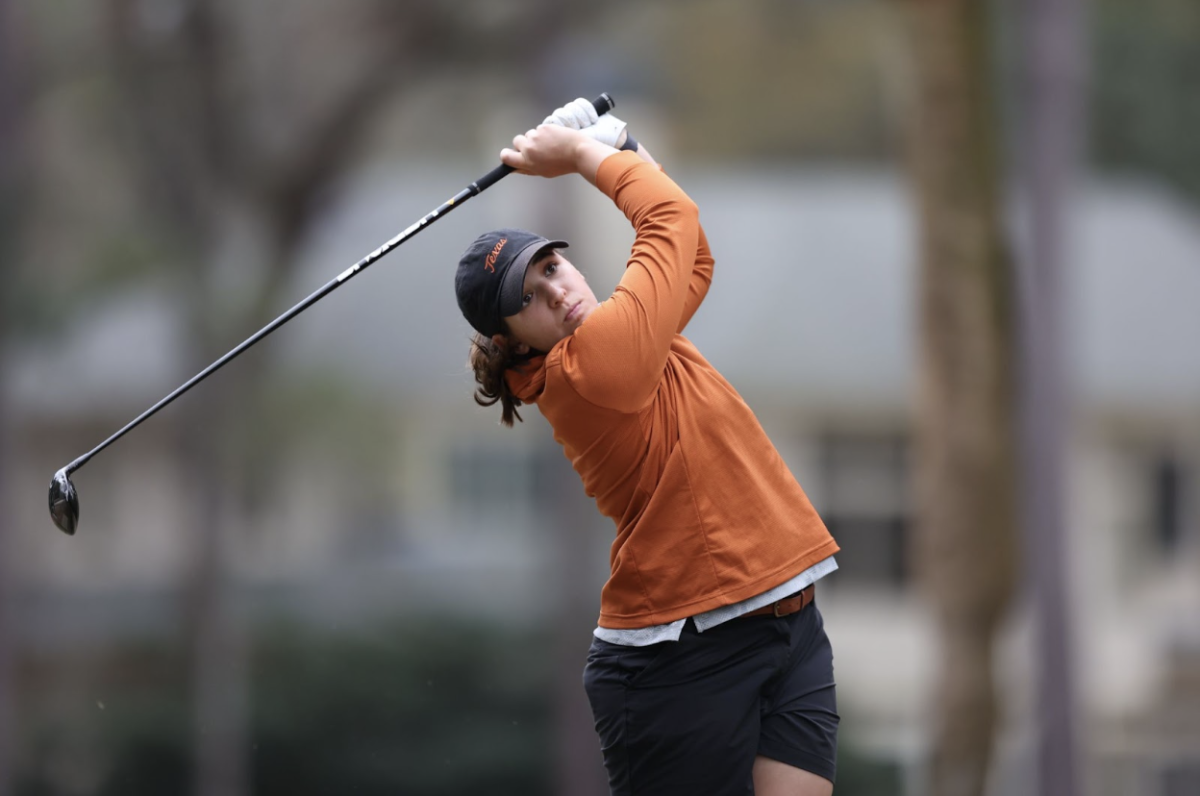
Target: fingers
<point>513,156</point>
<point>524,141</point>
<point>510,157</point>
<point>548,151</point>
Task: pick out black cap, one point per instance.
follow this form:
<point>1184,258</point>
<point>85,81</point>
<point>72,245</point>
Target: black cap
<point>491,276</point>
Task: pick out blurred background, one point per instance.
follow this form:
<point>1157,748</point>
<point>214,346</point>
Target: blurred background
<point>958,271</point>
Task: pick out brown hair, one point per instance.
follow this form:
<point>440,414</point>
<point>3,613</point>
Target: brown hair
<point>489,362</point>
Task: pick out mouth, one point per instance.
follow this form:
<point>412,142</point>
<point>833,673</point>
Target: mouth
<point>574,312</point>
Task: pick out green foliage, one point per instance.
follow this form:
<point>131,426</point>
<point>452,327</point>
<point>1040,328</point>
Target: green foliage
<point>446,708</point>
<point>863,775</point>
<point>773,79</point>
<point>109,265</point>
<point>147,745</point>
<point>1145,81</point>
<point>440,708</point>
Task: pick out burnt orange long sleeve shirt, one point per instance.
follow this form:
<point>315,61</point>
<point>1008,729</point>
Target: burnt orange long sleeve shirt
<point>707,514</point>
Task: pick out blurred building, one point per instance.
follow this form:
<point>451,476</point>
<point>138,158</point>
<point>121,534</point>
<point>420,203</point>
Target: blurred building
<point>811,317</point>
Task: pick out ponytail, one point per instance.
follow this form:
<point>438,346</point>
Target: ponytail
<point>489,362</point>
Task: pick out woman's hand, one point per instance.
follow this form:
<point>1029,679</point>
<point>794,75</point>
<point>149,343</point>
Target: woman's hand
<point>551,150</point>
<point>581,115</point>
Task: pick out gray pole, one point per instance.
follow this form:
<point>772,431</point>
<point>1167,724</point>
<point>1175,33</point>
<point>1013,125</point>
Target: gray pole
<point>1050,35</point>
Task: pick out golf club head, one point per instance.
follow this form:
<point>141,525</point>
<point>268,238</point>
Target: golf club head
<point>64,503</point>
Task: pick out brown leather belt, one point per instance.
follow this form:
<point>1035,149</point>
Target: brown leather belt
<point>788,605</point>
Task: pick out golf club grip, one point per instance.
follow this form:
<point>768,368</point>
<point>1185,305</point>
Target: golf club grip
<point>603,104</point>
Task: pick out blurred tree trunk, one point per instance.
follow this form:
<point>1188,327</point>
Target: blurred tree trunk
<point>7,636</point>
<point>965,545</point>
<point>215,630</point>
<point>170,109</point>
<point>9,164</point>
<point>571,518</point>
<point>8,641</point>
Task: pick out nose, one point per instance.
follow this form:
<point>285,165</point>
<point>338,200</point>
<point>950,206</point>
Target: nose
<point>557,296</point>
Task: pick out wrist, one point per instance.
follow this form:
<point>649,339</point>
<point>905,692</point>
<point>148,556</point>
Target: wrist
<point>587,148</point>
<point>589,154</point>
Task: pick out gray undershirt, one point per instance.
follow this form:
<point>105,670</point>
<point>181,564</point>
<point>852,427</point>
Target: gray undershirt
<point>645,636</point>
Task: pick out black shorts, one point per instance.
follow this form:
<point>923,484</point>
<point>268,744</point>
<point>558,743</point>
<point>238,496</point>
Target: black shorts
<point>690,716</point>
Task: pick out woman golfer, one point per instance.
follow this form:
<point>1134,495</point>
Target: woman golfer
<point>710,671</point>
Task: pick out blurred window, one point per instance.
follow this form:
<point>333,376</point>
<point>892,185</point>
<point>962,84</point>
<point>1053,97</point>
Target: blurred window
<point>1160,494</point>
<point>491,479</point>
<point>494,479</point>
<point>863,496</point>
<point>1168,477</point>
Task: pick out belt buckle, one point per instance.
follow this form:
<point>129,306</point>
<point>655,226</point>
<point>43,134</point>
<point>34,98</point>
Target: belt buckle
<point>775,608</point>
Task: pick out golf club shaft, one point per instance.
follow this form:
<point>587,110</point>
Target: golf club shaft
<point>603,104</point>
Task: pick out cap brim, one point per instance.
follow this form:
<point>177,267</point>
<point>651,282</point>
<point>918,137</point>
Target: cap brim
<point>512,285</point>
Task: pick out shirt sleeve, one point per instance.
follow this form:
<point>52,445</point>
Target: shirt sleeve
<point>702,273</point>
<point>616,358</point>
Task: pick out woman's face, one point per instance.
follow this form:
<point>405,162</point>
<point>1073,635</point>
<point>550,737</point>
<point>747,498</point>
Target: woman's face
<point>557,300</point>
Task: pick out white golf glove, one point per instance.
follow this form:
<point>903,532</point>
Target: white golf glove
<point>606,130</point>
<point>580,115</point>
<point>576,115</point>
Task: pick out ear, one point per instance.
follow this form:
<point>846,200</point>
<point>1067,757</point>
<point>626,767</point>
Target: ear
<point>500,341</point>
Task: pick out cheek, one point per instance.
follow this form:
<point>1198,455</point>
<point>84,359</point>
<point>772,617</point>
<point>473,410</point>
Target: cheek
<point>531,325</point>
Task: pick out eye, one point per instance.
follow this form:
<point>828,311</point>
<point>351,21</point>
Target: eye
<point>551,268</point>
<point>526,299</point>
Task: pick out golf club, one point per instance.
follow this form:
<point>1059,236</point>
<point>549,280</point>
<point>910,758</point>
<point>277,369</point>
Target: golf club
<point>64,500</point>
